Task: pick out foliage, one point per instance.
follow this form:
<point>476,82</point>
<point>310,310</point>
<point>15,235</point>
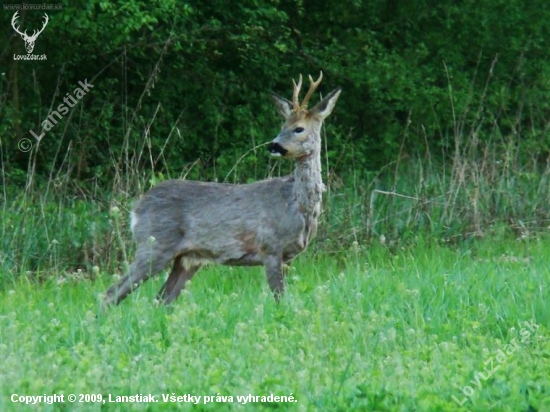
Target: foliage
<point>189,81</point>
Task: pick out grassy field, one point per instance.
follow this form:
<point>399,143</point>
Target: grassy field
<point>425,328</point>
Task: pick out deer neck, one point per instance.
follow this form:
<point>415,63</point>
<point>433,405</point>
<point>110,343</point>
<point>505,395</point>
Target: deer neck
<point>308,183</point>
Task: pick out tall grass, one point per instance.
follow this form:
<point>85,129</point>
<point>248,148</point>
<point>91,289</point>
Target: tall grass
<point>473,196</point>
<point>482,192</point>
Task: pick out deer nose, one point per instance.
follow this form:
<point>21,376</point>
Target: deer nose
<point>276,149</point>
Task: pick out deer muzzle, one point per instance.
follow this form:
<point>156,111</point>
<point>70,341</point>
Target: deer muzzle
<point>276,149</point>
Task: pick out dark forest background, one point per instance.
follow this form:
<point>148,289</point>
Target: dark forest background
<point>207,68</point>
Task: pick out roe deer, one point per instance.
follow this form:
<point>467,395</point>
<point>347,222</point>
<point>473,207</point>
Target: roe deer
<point>264,223</point>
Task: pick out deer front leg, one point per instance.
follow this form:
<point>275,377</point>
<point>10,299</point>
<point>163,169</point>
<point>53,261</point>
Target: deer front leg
<point>274,273</point>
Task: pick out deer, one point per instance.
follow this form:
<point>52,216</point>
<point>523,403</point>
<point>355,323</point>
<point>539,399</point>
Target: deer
<point>29,40</point>
<point>269,222</point>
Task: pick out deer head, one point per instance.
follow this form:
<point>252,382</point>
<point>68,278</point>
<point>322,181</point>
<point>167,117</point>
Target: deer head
<point>29,40</point>
<point>300,134</point>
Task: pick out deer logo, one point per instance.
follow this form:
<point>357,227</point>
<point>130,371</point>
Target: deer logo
<point>29,40</point>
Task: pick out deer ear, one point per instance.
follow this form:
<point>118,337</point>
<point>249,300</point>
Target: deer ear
<point>283,106</point>
<point>325,106</point>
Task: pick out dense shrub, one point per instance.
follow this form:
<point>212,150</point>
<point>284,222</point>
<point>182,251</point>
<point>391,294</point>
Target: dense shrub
<point>190,81</point>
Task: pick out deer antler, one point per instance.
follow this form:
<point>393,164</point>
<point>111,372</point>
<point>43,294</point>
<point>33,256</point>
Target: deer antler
<point>296,94</point>
<point>13,19</point>
<point>43,26</point>
<point>35,33</point>
<point>312,87</point>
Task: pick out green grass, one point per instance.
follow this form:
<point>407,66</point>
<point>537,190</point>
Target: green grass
<point>366,330</point>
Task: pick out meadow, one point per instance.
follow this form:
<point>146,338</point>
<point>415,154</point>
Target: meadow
<point>427,327</point>
<point>425,290</point>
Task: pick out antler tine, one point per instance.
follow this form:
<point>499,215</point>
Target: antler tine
<point>43,25</point>
<point>14,22</point>
<point>312,87</point>
<point>296,94</point>
<point>45,22</point>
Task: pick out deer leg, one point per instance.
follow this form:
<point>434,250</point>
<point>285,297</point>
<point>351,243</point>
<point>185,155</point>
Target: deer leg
<point>176,281</point>
<point>147,263</point>
<point>274,273</point>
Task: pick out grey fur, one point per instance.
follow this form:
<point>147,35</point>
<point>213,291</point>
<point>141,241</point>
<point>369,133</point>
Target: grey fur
<point>265,223</point>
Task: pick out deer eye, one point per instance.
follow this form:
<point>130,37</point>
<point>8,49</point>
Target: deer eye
<point>298,130</point>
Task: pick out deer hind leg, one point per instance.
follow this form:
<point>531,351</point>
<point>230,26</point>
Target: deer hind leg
<point>176,281</point>
<point>148,262</point>
<point>274,273</point>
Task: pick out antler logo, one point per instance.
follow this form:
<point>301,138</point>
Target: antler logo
<point>29,40</point>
